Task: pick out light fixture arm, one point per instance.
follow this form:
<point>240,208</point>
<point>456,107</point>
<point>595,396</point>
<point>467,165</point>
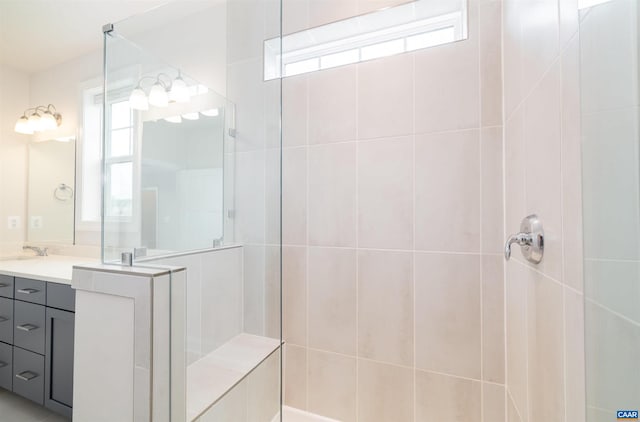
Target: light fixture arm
<point>165,85</point>
<point>144,78</point>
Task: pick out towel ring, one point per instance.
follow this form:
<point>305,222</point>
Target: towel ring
<point>63,192</point>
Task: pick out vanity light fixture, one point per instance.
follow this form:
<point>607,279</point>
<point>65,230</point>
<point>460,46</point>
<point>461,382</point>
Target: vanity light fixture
<point>173,119</point>
<point>210,113</point>
<point>38,119</point>
<point>162,92</point>
<point>191,116</point>
<point>179,90</point>
<point>158,95</point>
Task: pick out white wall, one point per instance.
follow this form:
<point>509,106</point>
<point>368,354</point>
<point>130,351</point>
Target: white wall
<point>14,99</point>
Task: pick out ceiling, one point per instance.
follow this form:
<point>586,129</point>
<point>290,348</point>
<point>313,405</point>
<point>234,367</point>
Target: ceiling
<point>38,34</point>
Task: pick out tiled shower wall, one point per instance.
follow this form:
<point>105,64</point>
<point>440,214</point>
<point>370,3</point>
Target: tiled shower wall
<point>393,228</point>
<point>544,304</point>
<point>611,188</point>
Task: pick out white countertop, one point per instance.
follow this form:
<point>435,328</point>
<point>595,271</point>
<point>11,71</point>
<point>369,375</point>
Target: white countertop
<point>55,268</point>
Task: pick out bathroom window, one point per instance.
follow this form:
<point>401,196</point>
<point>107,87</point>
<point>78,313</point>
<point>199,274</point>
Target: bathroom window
<point>119,158</point>
<point>119,162</point>
<point>404,28</point>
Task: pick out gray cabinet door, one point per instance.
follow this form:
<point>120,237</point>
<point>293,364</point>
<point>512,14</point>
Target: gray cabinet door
<point>28,368</point>
<point>58,394</point>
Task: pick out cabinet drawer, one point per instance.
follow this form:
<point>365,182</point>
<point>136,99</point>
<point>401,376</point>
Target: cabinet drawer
<point>28,375</point>
<point>6,286</point>
<point>31,290</point>
<point>29,326</point>
<point>6,366</point>
<point>61,296</point>
<point>6,320</point>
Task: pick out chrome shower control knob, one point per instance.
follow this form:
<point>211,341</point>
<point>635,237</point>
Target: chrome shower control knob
<point>530,239</point>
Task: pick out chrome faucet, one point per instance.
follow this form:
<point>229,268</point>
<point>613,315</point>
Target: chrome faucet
<point>37,250</point>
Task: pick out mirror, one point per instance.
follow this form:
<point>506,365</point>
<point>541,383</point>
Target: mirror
<point>182,183</point>
<point>51,191</point>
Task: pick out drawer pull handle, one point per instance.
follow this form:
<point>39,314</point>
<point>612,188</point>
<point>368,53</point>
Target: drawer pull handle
<point>3,364</point>
<point>26,375</point>
<point>27,327</point>
<point>3,319</point>
<point>28,291</point>
<point>3,285</point>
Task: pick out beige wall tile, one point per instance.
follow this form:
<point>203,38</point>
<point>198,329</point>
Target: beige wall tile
<point>385,109</point>
<point>295,96</point>
<point>273,193</point>
<point>295,376</point>
<point>572,166</point>
<point>543,166</point>
<point>517,353</point>
<point>447,91</point>
<point>322,12</point>
<point>294,196</point>
<point>540,40</point>
<point>490,16</point>
<point>616,341</point>
<point>332,199</point>
<point>545,349</point>
<point>250,197</point>
<point>367,6</point>
<point>385,194</point>
<point>332,105</point>
<point>492,232</point>
<point>332,310</point>
<point>574,352</point>
<point>385,306</point>
<point>512,56</point>
<point>569,20</point>
<point>608,228</point>
<point>294,294</point>
<point>332,385</point>
<point>448,313</point>
<point>448,191</point>
<point>233,406</point>
<point>385,392</point>
<point>606,86</point>
<point>493,406</point>
<point>246,89</point>
<point>493,319</point>
<point>263,401</point>
<point>254,264</point>
<point>514,177</point>
<point>295,16</point>
<point>512,413</point>
<point>446,399</point>
<point>245,39</point>
<point>222,298</point>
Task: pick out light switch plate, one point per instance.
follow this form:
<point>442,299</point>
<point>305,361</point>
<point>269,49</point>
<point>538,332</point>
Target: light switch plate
<point>13,222</point>
<point>36,221</point>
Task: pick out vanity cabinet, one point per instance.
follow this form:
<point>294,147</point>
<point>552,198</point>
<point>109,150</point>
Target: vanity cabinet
<point>37,320</point>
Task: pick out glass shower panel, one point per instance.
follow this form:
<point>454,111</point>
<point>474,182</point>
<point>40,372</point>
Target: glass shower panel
<point>202,191</point>
<point>164,151</point>
<point>611,195</point>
